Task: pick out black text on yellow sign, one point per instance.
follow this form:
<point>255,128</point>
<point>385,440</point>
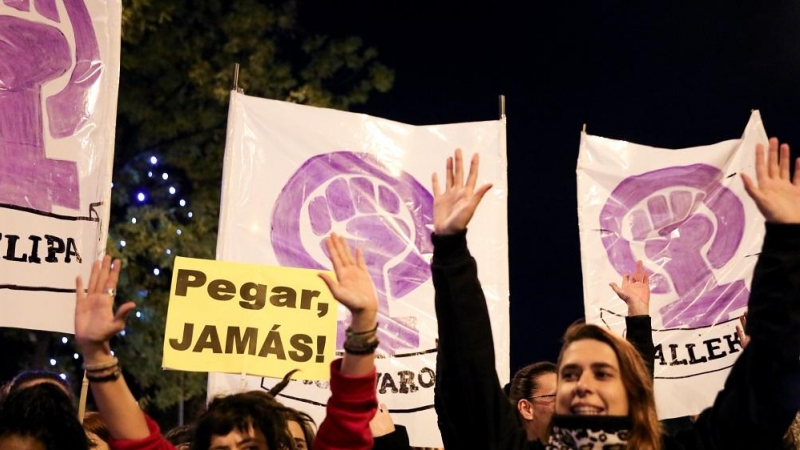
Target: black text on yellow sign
<point>243,318</point>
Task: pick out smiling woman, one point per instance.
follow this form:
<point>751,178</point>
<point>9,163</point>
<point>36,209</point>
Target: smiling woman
<point>604,396</point>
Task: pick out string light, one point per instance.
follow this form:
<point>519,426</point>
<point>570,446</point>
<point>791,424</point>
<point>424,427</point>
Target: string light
<point>52,362</point>
<point>122,243</point>
<point>156,271</point>
<point>76,356</point>
<point>182,202</point>
<point>153,160</point>
<point>164,176</point>
<point>133,220</point>
<point>63,340</point>
<point>172,190</point>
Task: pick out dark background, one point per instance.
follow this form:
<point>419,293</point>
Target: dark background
<point>661,73</point>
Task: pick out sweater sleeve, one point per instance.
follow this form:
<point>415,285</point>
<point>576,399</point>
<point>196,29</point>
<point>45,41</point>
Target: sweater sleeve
<point>640,335</point>
<point>351,407</point>
<point>473,411</point>
<point>155,441</point>
<point>761,395</point>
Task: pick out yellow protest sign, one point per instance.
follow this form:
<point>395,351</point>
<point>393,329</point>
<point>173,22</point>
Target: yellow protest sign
<point>248,318</point>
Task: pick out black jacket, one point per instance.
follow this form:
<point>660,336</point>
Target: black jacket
<point>753,410</point>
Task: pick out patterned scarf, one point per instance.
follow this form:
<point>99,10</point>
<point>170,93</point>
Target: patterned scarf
<point>571,432</point>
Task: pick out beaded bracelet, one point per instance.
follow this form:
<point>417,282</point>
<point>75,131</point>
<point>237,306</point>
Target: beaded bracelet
<point>105,378</point>
<point>101,366</point>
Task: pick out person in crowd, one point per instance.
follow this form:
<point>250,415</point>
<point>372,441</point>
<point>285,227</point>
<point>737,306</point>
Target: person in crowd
<point>533,394</point>
<point>604,396</point>
<point>30,378</point>
<point>251,418</point>
<point>533,388</point>
<point>387,434</point>
<point>180,436</point>
<point>301,425</point>
<point>40,417</point>
<point>96,430</point>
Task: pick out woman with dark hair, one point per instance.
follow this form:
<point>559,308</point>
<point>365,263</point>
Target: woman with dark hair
<point>40,417</point>
<point>532,393</point>
<point>96,431</point>
<point>604,397</point>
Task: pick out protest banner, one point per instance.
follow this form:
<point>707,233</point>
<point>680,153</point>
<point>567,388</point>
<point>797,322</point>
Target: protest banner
<point>293,174</point>
<point>249,319</point>
<point>58,101</point>
<point>686,215</point>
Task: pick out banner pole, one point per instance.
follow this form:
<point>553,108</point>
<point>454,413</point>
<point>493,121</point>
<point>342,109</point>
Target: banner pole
<point>502,100</point>
<point>82,400</point>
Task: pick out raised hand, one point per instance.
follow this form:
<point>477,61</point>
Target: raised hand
<point>95,320</point>
<point>777,197</point>
<point>635,291</point>
<point>453,208</point>
<point>353,286</point>
<point>743,338</point>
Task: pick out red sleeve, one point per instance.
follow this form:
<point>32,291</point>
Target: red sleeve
<point>352,405</point>
<point>155,441</point>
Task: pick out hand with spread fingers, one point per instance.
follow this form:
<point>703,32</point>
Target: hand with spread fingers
<point>454,207</point>
<point>353,286</point>
<point>635,291</point>
<point>777,197</point>
<point>95,320</point>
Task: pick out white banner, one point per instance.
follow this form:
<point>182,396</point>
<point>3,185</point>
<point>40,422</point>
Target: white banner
<point>686,215</point>
<point>294,173</point>
<point>58,103</point>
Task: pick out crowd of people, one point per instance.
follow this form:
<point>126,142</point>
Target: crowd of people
<point>597,395</point>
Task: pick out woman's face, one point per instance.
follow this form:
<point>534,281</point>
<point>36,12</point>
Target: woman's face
<point>590,381</point>
<point>296,430</point>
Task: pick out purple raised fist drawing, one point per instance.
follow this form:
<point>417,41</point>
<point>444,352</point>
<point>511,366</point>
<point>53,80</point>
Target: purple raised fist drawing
<point>34,51</point>
<point>385,213</point>
<point>683,220</point>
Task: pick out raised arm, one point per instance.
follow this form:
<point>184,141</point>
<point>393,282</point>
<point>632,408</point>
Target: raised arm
<point>635,292</point>
<point>472,409</point>
<point>761,392</point>
<point>354,398</point>
<point>95,325</point>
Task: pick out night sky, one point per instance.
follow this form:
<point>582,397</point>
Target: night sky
<point>666,74</point>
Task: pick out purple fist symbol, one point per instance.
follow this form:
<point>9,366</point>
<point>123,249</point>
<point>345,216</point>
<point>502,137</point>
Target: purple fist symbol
<point>685,221</point>
<point>385,215</point>
<point>33,52</point>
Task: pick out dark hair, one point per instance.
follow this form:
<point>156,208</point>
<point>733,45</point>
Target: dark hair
<point>526,380</point>
<point>29,376</point>
<point>304,420</point>
<point>93,423</point>
<point>181,434</point>
<point>241,411</point>
<point>44,413</point>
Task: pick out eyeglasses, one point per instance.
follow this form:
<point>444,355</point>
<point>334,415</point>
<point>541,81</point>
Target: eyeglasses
<point>545,396</point>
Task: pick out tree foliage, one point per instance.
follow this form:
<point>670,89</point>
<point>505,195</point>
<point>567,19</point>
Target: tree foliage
<point>175,79</point>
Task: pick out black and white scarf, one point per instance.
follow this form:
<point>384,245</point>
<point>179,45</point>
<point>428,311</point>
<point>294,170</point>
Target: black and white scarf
<point>571,432</point>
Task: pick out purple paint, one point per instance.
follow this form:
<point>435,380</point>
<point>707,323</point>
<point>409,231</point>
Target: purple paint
<point>47,8</point>
<point>69,109</point>
<point>19,5</point>
<point>32,54</point>
<point>361,194</point>
<point>663,207</point>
